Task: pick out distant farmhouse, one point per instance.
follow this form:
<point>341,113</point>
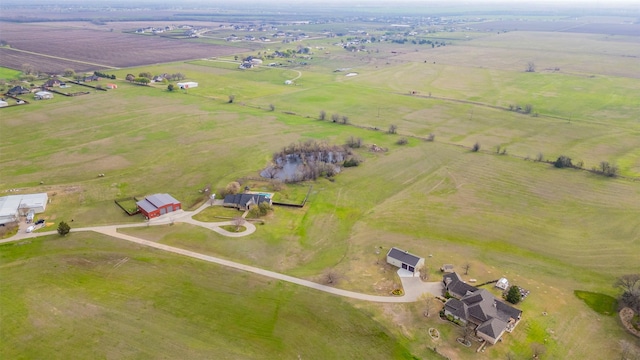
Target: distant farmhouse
<point>158,204</point>
<point>471,305</point>
<point>14,206</point>
<point>404,260</point>
<point>18,90</point>
<point>245,201</point>
<point>187,85</point>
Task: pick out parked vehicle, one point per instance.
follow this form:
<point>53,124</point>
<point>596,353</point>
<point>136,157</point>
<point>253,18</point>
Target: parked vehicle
<point>40,221</point>
<point>31,228</point>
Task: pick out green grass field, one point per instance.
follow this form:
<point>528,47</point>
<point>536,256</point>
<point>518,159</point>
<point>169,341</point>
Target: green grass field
<point>551,231</point>
<point>600,303</point>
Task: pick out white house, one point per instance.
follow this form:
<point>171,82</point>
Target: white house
<point>187,85</point>
<point>12,206</point>
<point>405,260</point>
<point>43,95</point>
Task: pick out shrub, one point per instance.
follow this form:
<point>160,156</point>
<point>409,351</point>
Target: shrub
<point>402,141</point>
<point>563,162</point>
<point>475,147</point>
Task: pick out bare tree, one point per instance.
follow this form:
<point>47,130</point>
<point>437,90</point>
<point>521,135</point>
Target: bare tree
<point>628,283</point>
<point>345,119</point>
<point>233,187</point>
<point>431,137</point>
<point>331,277</point>
<point>29,69</point>
<point>335,117</point>
<point>466,332</point>
<point>424,273</point>
<point>322,115</point>
<point>475,147</point>
<point>429,303</point>
<point>466,268</point>
<point>272,107</point>
<point>238,221</point>
<point>531,67</point>
<point>539,157</point>
<point>232,98</point>
<point>392,129</point>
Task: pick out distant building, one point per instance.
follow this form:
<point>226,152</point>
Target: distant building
<point>18,90</point>
<point>187,85</point>
<point>43,95</point>
<point>112,86</point>
<point>3,103</point>
<point>157,205</point>
<point>13,206</point>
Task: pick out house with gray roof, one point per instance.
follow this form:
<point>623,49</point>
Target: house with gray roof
<point>405,260</point>
<point>245,201</point>
<point>492,316</point>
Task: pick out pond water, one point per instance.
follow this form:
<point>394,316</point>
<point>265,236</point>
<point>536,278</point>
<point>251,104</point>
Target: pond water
<point>294,168</point>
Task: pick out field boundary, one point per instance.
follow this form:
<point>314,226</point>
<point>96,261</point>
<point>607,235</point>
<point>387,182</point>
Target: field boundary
<point>118,202</point>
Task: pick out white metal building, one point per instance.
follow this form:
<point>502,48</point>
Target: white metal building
<point>13,206</point>
<point>187,85</point>
<point>43,95</point>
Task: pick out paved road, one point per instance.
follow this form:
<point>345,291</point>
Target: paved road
<point>413,286</point>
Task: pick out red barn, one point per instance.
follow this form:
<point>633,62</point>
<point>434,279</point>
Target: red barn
<point>158,204</point>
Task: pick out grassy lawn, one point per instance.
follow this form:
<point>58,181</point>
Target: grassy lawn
<point>600,303</point>
<point>132,303</point>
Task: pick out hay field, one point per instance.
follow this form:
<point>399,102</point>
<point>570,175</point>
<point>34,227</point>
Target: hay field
<point>552,230</point>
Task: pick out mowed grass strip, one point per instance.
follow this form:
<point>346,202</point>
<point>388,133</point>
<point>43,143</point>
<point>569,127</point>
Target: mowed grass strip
<point>600,303</point>
<point>86,296</point>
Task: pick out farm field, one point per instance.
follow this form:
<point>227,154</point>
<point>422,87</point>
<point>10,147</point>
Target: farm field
<point>111,49</point>
<point>552,231</point>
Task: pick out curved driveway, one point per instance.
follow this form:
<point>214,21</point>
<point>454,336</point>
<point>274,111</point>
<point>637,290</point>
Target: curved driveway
<point>414,287</point>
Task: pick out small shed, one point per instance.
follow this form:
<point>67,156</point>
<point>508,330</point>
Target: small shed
<point>187,85</point>
<point>447,268</point>
<point>404,260</point>
<point>112,86</point>
<point>503,284</point>
<point>43,95</point>
<point>3,103</point>
<point>157,205</point>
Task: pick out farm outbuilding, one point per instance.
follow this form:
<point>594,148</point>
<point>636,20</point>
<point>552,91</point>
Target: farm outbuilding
<point>157,205</point>
<point>112,86</point>
<point>187,85</point>
<point>43,95</point>
<point>13,206</point>
<point>3,103</point>
<point>405,260</point>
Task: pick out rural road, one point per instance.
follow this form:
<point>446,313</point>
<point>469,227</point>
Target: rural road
<point>414,288</point>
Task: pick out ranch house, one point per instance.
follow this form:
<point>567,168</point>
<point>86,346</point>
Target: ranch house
<point>245,201</point>
<point>479,307</point>
<point>404,260</point>
<point>157,205</point>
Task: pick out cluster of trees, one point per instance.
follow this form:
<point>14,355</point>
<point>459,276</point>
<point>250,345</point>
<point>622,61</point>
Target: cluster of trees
<point>336,118</point>
<point>605,167</point>
<point>261,210</point>
<point>103,75</point>
<point>527,109</point>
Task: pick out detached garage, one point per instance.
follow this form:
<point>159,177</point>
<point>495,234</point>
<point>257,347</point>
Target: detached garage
<point>14,206</point>
<point>158,204</point>
<point>405,260</point>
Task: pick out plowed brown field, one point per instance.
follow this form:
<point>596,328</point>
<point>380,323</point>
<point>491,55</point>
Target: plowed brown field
<point>86,49</point>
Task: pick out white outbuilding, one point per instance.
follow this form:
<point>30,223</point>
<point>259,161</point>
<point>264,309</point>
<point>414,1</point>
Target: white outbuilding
<point>503,284</point>
<point>187,85</point>
<point>3,103</point>
<point>13,206</point>
<point>43,95</point>
<point>404,260</point>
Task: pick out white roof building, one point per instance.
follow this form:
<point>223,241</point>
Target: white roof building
<point>41,95</point>
<point>11,207</point>
<point>503,284</point>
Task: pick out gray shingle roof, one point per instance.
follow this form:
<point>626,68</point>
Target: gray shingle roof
<point>403,256</point>
<point>492,327</point>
